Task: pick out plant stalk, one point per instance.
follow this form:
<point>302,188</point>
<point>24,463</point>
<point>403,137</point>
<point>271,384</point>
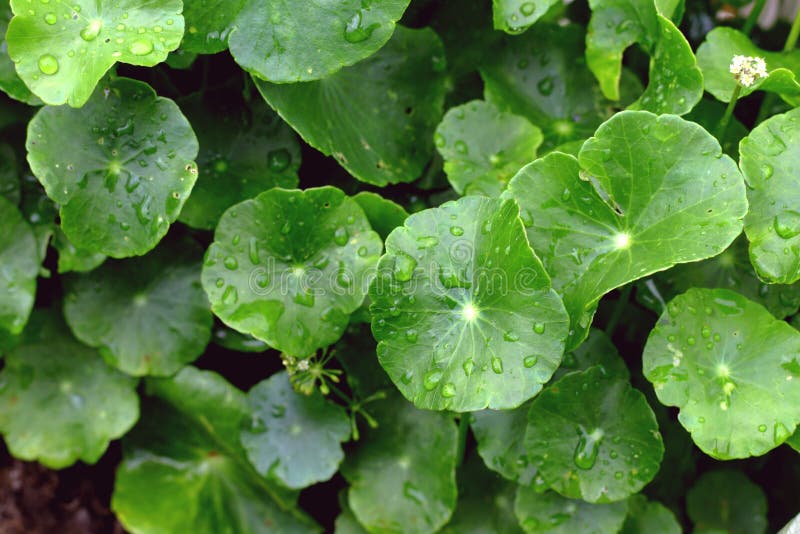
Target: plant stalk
<point>726,118</point>
<point>463,429</point>
<point>750,23</point>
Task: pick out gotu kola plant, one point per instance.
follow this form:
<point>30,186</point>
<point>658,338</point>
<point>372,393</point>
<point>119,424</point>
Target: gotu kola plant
<point>404,266</point>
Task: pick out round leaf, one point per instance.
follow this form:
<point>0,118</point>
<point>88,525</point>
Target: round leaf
<point>501,442</point>
<point>124,171</point>
<point>289,267</point>
<point>148,315</point>
<point>278,42</point>
<point>598,349</point>
<point>714,58</point>
<point>730,367</point>
<point>243,152</point>
<point>73,259</point>
<point>646,516</point>
<point>62,49</point>
<point>593,437</point>
<point>379,139</point>
<point>294,438</point>
<point>649,192</point>
<point>59,402</point>
<point>184,470</point>
<point>19,258</point>
<point>769,160</point>
<point>727,500</point>
<point>551,513</point>
<point>10,82</point>
<point>383,214</point>
<point>402,475</point>
<point>463,310</point>
<point>484,147</point>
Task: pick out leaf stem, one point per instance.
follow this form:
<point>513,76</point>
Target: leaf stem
<point>463,429</point>
<point>750,23</point>
<point>616,315</point>
<point>726,118</point>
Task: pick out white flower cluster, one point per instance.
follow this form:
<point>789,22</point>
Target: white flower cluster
<point>747,70</point>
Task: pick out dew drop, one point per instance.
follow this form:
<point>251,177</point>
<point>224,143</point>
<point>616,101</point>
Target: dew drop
<point>230,296</point>
<point>141,47</point>
<point>461,147</point>
<point>448,390</point>
<point>279,160</point>
<point>497,365</point>
<point>404,266</point>
<point>51,18</point>
<point>545,86</point>
<point>48,64</point>
<point>587,449</point>
<point>90,32</point>
<point>468,367</point>
<point>432,379</point>
<point>530,361</point>
<point>787,224</point>
<point>456,231</point>
<point>356,31</point>
<point>762,428</point>
<point>511,337</point>
<point>340,236</point>
<point>527,8</point>
<point>230,263</point>
<point>780,433</point>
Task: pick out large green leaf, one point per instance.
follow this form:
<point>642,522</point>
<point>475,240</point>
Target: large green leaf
<point>714,58</point>
<point>647,192</point>
<point>184,469</point>
<point>484,147</point>
<point>593,437</point>
<point>646,516</point>
<point>383,214</point>
<point>293,437</point>
<point>551,513</point>
<point>289,267</point>
<point>730,367</point>
<point>243,152</point>
<point>59,402</point>
<point>377,117</point>
<point>447,309</point>
<point>727,501</point>
<point>124,171</point>
<point>19,267</point>
<point>485,502</point>
<point>10,82</point>
<point>402,474</point>
<point>769,159</point>
<point>148,315</point>
<point>278,42</point>
<point>730,270</point>
<point>516,16</point>
<point>62,49</point>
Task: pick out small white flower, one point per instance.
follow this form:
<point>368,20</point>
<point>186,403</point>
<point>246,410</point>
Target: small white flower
<point>302,365</point>
<point>747,70</point>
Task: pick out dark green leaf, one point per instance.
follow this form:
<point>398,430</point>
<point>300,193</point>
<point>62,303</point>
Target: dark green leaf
<point>727,500</point>
<point>516,16</point>
<point>501,442</point>
<point>645,517</point>
<point>551,513</point>
<point>383,214</point>
<point>19,267</point>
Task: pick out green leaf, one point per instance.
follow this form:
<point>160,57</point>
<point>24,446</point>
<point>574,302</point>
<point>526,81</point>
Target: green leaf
<point>769,160</point>
<point>646,192</point>
<point>276,41</point>
<point>62,50</point>
<point>541,76</point>
<point>184,469</point>
<point>598,349</point>
<point>675,81</point>
<point>551,513</point>
<point>377,117</point>
<point>447,309</point>
<point>346,522</point>
<point>714,58</point>
<point>646,516</point>
<point>484,147</point>
<point>59,402</point>
<point>383,214</point>
<point>289,267</point>
<point>19,258</point>
<point>730,270</point>
<point>209,23</point>
<point>243,152</point>
<point>402,474</point>
<point>727,500</point>
<point>232,340</point>
<point>294,438</point>
<point>794,441</point>
<point>73,259</point>
<point>501,442</point>
<point>730,367</point>
<point>10,82</point>
<point>593,437</point>
<point>516,16</point>
<point>485,502</point>
<point>148,315</point>
<point>124,171</point>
